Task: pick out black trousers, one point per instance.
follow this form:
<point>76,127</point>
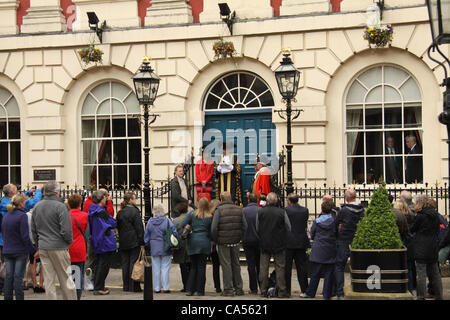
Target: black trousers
<point>216,269</point>
<point>197,274</point>
<point>184,269</point>
<point>301,259</point>
<point>128,258</point>
<point>252,254</point>
<point>103,263</point>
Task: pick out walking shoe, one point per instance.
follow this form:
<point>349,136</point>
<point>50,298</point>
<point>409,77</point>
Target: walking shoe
<point>101,292</point>
<point>189,293</point>
<point>227,294</point>
<point>159,291</point>
<point>304,295</point>
<point>166,291</point>
<point>218,290</point>
<point>284,295</point>
<point>200,294</point>
<point>340,297</point>
<point>239,293</point>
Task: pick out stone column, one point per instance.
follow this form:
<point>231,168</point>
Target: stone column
<point>44,16</point>
<point>245,9</point>
<point>168,12</point>
<point>296,7</point>
<point>8,16</point>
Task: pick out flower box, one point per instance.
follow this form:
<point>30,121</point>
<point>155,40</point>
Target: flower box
<point>378,36</point>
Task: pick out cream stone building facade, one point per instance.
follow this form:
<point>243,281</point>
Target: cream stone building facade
<point>350,93</point>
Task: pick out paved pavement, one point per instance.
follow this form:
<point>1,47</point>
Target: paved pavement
<point>114,283</point>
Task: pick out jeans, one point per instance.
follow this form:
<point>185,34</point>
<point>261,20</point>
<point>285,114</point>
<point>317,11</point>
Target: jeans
<point>343,253</point>
<point>78,277</point>
<point>317,268</point>
<point>197,274</point>
<point>301,259</point>
<point>252,255</point>
<point>103,263</point>
<point>161,268</point>
<point>435,277</point>
<point>280,262</point>
<point>127,260</point>
<point>15,271</point>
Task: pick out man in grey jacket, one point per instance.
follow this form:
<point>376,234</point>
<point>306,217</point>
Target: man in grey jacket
<point>51,228</point>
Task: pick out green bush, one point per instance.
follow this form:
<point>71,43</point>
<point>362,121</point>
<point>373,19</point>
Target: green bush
<point>378,228</point>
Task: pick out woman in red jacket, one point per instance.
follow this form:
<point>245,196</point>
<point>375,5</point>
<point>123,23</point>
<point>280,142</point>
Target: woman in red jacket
<point>77,249</point>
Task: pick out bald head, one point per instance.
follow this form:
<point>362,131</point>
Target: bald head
<point>350,195</point>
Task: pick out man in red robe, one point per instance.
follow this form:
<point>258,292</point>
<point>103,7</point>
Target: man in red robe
<point>261,182</point>
<point>204,170</point>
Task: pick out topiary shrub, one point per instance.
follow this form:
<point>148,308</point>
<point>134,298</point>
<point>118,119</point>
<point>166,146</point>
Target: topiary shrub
<point>378,228</point>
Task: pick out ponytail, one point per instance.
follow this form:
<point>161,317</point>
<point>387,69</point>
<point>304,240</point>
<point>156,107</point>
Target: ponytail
<point>15,202</point>
<point>126,199</point>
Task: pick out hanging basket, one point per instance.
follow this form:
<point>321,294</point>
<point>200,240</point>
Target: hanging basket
<point>379,36</point>
<point>90,54</point>
<point>223,49</point>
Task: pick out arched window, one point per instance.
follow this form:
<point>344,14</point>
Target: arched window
<point>238,90</point>
<point>384,127</point>
<point>10,161</point>
<point>111,137</point>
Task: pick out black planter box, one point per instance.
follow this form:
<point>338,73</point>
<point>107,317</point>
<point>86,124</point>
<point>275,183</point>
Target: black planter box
<point>378,271</point>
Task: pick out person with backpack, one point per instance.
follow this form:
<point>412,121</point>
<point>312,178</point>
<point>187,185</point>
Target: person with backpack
<point>154,239</point>
<point>131,239</point>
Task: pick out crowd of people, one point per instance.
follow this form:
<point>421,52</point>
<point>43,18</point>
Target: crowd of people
<point>74,243</point>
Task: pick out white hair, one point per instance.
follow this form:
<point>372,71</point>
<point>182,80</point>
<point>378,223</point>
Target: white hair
<point>158,210</point>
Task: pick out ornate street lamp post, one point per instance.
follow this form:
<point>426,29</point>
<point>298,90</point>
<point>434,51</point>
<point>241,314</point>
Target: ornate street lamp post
<point>288,78</point>
<point>439,14</point>
<point>146,83</point>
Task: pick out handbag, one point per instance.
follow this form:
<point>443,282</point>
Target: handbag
<point>171,242</point>
<point>139,267</point>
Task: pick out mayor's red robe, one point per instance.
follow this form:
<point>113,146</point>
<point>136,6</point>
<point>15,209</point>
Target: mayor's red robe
<point>261,185</point>
<point>204,172</point>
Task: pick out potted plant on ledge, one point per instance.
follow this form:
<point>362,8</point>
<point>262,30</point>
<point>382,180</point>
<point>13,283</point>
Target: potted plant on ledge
<point>377,256</point>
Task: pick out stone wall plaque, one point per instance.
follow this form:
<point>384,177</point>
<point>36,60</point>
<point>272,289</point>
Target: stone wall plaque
<point>44,175</point>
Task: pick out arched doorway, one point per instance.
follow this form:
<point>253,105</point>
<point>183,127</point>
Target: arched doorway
<point>238,110</point>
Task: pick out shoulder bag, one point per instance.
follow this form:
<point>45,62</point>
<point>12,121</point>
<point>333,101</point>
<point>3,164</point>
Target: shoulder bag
<point>171,242</point>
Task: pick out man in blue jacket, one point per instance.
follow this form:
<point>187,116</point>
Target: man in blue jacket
<point>346,222</point>
<point>102,227</point>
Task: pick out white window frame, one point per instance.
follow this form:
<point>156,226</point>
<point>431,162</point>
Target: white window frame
<point>126,115</point>
<point>383,130</point>
<point>9,119</point>
<point>241,99</point>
